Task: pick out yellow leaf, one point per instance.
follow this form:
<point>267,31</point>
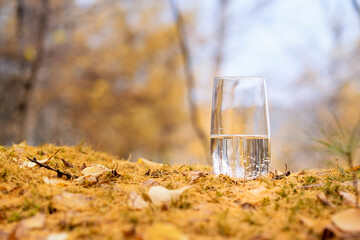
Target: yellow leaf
<point>164,231</point>
<point>59,36</point>
<point>30,53</point>
<point>160,195</point>
<point>149,163</point>
<point>347,221</point>
<point>55,182</point>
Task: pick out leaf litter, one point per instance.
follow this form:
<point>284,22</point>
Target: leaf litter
<point>148,200</point>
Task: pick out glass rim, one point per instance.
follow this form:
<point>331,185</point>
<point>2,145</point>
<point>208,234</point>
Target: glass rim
<point>239,77</point>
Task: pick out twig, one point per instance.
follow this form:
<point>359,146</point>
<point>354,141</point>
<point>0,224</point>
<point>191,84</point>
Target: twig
<point>60,173</point>
<point>54,154</point>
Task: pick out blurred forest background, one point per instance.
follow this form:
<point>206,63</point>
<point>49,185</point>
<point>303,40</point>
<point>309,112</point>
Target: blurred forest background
<point>136,76</point>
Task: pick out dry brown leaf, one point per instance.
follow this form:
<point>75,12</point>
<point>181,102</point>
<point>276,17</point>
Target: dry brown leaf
<point>143,161</point>
<point>21,229</point>
<point>136,202</point>
<point>55,182</point>
<point>347,221</point>
<point>247,206</point>
<point>160,195</point>
<point>87,179</point>
<point>73,201</point>
<point>83,167</point>
<point>95,170</point>
<point>349,198</point>
<point>324,201</point>
<point>164,231</point>
<point>150,182</point>
<point>308,222</point>
<point>195,175</point>
<point>67,163</point>
<point>57,236</point>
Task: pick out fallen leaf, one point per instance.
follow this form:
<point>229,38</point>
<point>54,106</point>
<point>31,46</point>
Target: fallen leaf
<point>57,236</point>
<point>73,201</point>
<point>164,231</point>
<point>83,167</point>
<point>67,164</point>
<point>194,175</point>
<point>150,182</point>
<point>308,222</point>
<point>348,198</point>
<point>55,182</point>
<point>347,221</point>
<point>43,161</point>
<point>247,206</point>
<point>136,202</point>
<point>95,170</point>
<point>324,201</point>
<point>27,164</point>
<point>149,163</point>
<point>160,195</point>
<point>86,180</point>
<point>21,229</point>
<point>259,190</point>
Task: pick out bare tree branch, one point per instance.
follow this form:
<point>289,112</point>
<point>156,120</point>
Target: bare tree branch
<point>189,75</point>
<point>356,7</point>
<point>29,83</point>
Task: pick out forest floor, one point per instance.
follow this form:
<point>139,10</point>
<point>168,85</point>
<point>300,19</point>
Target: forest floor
<point>109,198</point>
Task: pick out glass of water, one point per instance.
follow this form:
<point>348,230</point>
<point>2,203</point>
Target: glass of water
<point>240,129</point>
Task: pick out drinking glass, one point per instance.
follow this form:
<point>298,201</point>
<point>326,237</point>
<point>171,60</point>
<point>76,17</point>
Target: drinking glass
<point>240,129</point>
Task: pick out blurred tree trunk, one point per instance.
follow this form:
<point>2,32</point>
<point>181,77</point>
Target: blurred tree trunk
<point>21,112</point>
<point>20,15</point>
<point>190,80</point>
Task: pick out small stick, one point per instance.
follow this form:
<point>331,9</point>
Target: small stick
<point>60,173</point>
<point>54,154</point>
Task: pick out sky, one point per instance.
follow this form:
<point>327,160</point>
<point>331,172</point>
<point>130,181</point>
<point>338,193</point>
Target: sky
<point>279,41</point>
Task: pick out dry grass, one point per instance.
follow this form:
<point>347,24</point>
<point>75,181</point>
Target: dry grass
<point>215,207</point>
